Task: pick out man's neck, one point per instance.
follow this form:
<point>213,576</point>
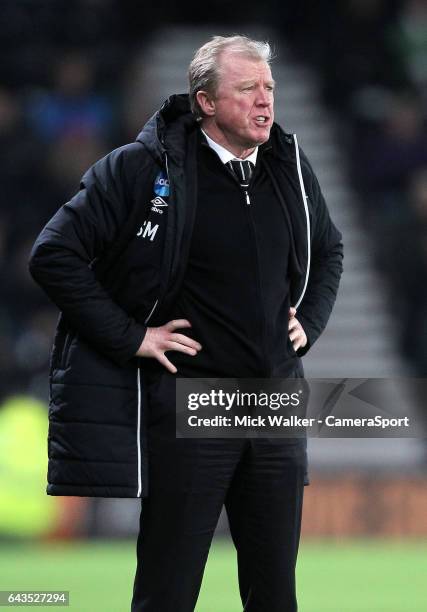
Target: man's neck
<point>224,154</point>
<point>220,139</point>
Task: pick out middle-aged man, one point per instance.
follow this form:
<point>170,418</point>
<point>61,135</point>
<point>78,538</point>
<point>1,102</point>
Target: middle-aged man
<point>203,248</point>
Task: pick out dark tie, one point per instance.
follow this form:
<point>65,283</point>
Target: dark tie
<point>243,170</point>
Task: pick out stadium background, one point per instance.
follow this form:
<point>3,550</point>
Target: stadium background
<point>78,78</point>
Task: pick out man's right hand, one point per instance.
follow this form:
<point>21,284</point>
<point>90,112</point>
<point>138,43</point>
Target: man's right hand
<point>158,340</point>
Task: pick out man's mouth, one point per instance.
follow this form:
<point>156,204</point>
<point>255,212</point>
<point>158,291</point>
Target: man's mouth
<point>262,119</point>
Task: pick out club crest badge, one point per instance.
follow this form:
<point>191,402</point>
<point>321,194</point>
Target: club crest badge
<point>161,185</point>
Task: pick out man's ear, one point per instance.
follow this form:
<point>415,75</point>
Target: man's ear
<point>206,103</point>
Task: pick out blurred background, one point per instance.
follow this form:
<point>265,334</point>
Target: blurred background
<point>79,78</point>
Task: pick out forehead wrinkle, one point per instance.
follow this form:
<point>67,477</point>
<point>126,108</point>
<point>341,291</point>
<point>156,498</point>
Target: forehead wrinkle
<point>253,81</point>
<point>227,64</point>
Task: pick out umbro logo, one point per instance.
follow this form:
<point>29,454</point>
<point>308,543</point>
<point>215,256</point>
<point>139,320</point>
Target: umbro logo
<point>158,203</point>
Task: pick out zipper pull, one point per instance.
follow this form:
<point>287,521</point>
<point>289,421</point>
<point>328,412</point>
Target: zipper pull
<point>248,200</point>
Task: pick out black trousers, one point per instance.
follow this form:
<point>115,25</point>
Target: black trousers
<point>261,483</point>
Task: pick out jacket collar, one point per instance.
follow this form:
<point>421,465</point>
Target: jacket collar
<point>166,131</point>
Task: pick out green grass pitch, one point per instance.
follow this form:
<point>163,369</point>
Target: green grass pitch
<point>359,576</point>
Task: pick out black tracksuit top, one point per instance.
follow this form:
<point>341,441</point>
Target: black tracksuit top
<point>236,288</point>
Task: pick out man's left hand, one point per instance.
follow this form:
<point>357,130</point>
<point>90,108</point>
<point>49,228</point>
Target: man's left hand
<point>296,332</point>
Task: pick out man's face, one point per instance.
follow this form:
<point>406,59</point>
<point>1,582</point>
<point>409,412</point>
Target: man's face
<point>242,107</point>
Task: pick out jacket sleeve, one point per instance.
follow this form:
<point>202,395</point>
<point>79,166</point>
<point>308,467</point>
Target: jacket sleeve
<point>326,265</point>
<point>81,230</point>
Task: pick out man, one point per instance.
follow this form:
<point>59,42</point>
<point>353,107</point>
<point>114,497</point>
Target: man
<point>207,239</point>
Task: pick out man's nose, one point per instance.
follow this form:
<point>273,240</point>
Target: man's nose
<point>264,98</point>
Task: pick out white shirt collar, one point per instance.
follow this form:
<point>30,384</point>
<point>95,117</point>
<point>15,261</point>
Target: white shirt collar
<point>225,155</point>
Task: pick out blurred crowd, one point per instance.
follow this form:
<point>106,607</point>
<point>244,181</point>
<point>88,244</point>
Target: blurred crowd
<point>371,59</point>
<point>64,84</point>
<point>63,68</point>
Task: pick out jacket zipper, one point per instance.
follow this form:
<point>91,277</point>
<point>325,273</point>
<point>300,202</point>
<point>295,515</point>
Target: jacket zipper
<point>151,312</point>
<point>307,218</point>
<point>139,407</point>
<point>156,303</point>
<point>138,439</point>
<point>304,199</point>
<point>138,386</point>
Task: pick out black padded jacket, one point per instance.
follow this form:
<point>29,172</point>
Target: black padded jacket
<point>113,263</point>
